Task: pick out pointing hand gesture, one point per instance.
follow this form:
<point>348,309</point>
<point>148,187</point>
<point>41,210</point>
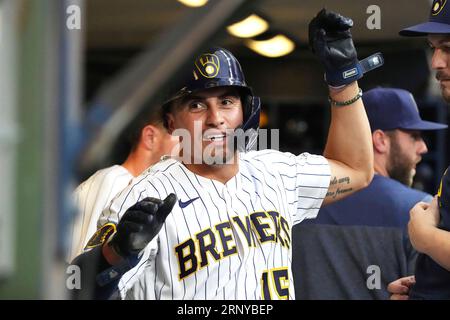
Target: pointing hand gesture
<point>140,224</point>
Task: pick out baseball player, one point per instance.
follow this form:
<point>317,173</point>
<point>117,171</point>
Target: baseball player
<point>148,142</point>
<point>429,226</point>
<point>220,228</point>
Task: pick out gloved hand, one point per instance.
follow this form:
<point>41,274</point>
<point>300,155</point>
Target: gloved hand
<point>140,224</point>
<point>330,39</point>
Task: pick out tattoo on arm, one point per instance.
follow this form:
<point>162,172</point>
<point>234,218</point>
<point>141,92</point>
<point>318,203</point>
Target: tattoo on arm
<point>340,186</point>
<point>333,181</point>
<point>330,194</point>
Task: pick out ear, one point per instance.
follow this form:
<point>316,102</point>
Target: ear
<point>148,135</point>
<point>381,142</point>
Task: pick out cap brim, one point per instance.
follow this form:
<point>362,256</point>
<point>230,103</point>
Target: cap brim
<point>425,28</point>
<point>425,125</point>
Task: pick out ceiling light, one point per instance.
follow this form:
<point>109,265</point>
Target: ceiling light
<point>193,3</point>
<point>277,46</point>
<point>249,27</point>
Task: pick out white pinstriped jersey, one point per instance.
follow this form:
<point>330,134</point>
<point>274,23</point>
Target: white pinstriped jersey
<point>91,197</point>
<point>224,241</point>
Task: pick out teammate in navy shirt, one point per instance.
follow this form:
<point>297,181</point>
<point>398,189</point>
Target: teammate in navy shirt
<point>360,244</point>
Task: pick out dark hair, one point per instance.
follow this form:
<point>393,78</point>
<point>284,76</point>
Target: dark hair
<point>129,139</point>
<point>133,136</point>
<point>166,109</point>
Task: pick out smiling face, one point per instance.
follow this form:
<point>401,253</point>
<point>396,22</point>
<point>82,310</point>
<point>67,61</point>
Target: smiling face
<point>440,44</point>
<point>209,117</point>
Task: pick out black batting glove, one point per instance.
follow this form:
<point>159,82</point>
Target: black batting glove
<point>140,224</point>
<point>330,39</point>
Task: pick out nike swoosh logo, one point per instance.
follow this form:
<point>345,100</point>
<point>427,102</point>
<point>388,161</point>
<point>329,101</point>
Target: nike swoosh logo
<point>185,204</point>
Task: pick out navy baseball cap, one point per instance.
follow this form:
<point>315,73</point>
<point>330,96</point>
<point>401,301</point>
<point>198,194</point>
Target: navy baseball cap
<point>438,22</point>
<point>390,108</point>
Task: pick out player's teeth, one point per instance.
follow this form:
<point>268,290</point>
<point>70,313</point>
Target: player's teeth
<point>213,138</point>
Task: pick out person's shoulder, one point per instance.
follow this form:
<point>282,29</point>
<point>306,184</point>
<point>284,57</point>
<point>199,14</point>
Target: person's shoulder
<point>394,185</point>
<point>398,191</point>
<point>114,174</point>
<point>114,171</point>
<point>443,185</point>
<point>268,158</point>
<point>444,200</point>
<point>162,167</point>
<point>266,153</point>
<point>155,181</point>
<point>286,163</point>
<point>275,156</point>
<point>106,175</point>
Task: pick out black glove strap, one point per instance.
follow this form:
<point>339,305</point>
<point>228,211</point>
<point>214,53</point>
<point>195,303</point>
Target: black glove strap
<point>343,77</point>
<point>372,62</point>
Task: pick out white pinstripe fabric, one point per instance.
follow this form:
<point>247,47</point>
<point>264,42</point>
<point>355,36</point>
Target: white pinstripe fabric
<point>279,187</point>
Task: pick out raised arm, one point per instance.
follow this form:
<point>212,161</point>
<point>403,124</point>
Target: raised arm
<point>349,144</point>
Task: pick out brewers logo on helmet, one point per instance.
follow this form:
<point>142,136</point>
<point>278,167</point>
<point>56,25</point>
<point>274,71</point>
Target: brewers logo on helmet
<point>208,65</point>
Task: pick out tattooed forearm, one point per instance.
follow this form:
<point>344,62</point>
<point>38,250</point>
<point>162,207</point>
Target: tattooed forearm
<point>335,180</point>
<point>343,191</point>
<point>339,191</point>
<point>331,194</point>
<point>339,187</point>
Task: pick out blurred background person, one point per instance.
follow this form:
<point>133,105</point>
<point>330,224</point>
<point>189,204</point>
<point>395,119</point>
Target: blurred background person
<point>148,142</point>
<point>368,228</point>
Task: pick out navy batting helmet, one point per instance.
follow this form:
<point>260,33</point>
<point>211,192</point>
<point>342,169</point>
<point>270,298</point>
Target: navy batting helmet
<point>218,67</point>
